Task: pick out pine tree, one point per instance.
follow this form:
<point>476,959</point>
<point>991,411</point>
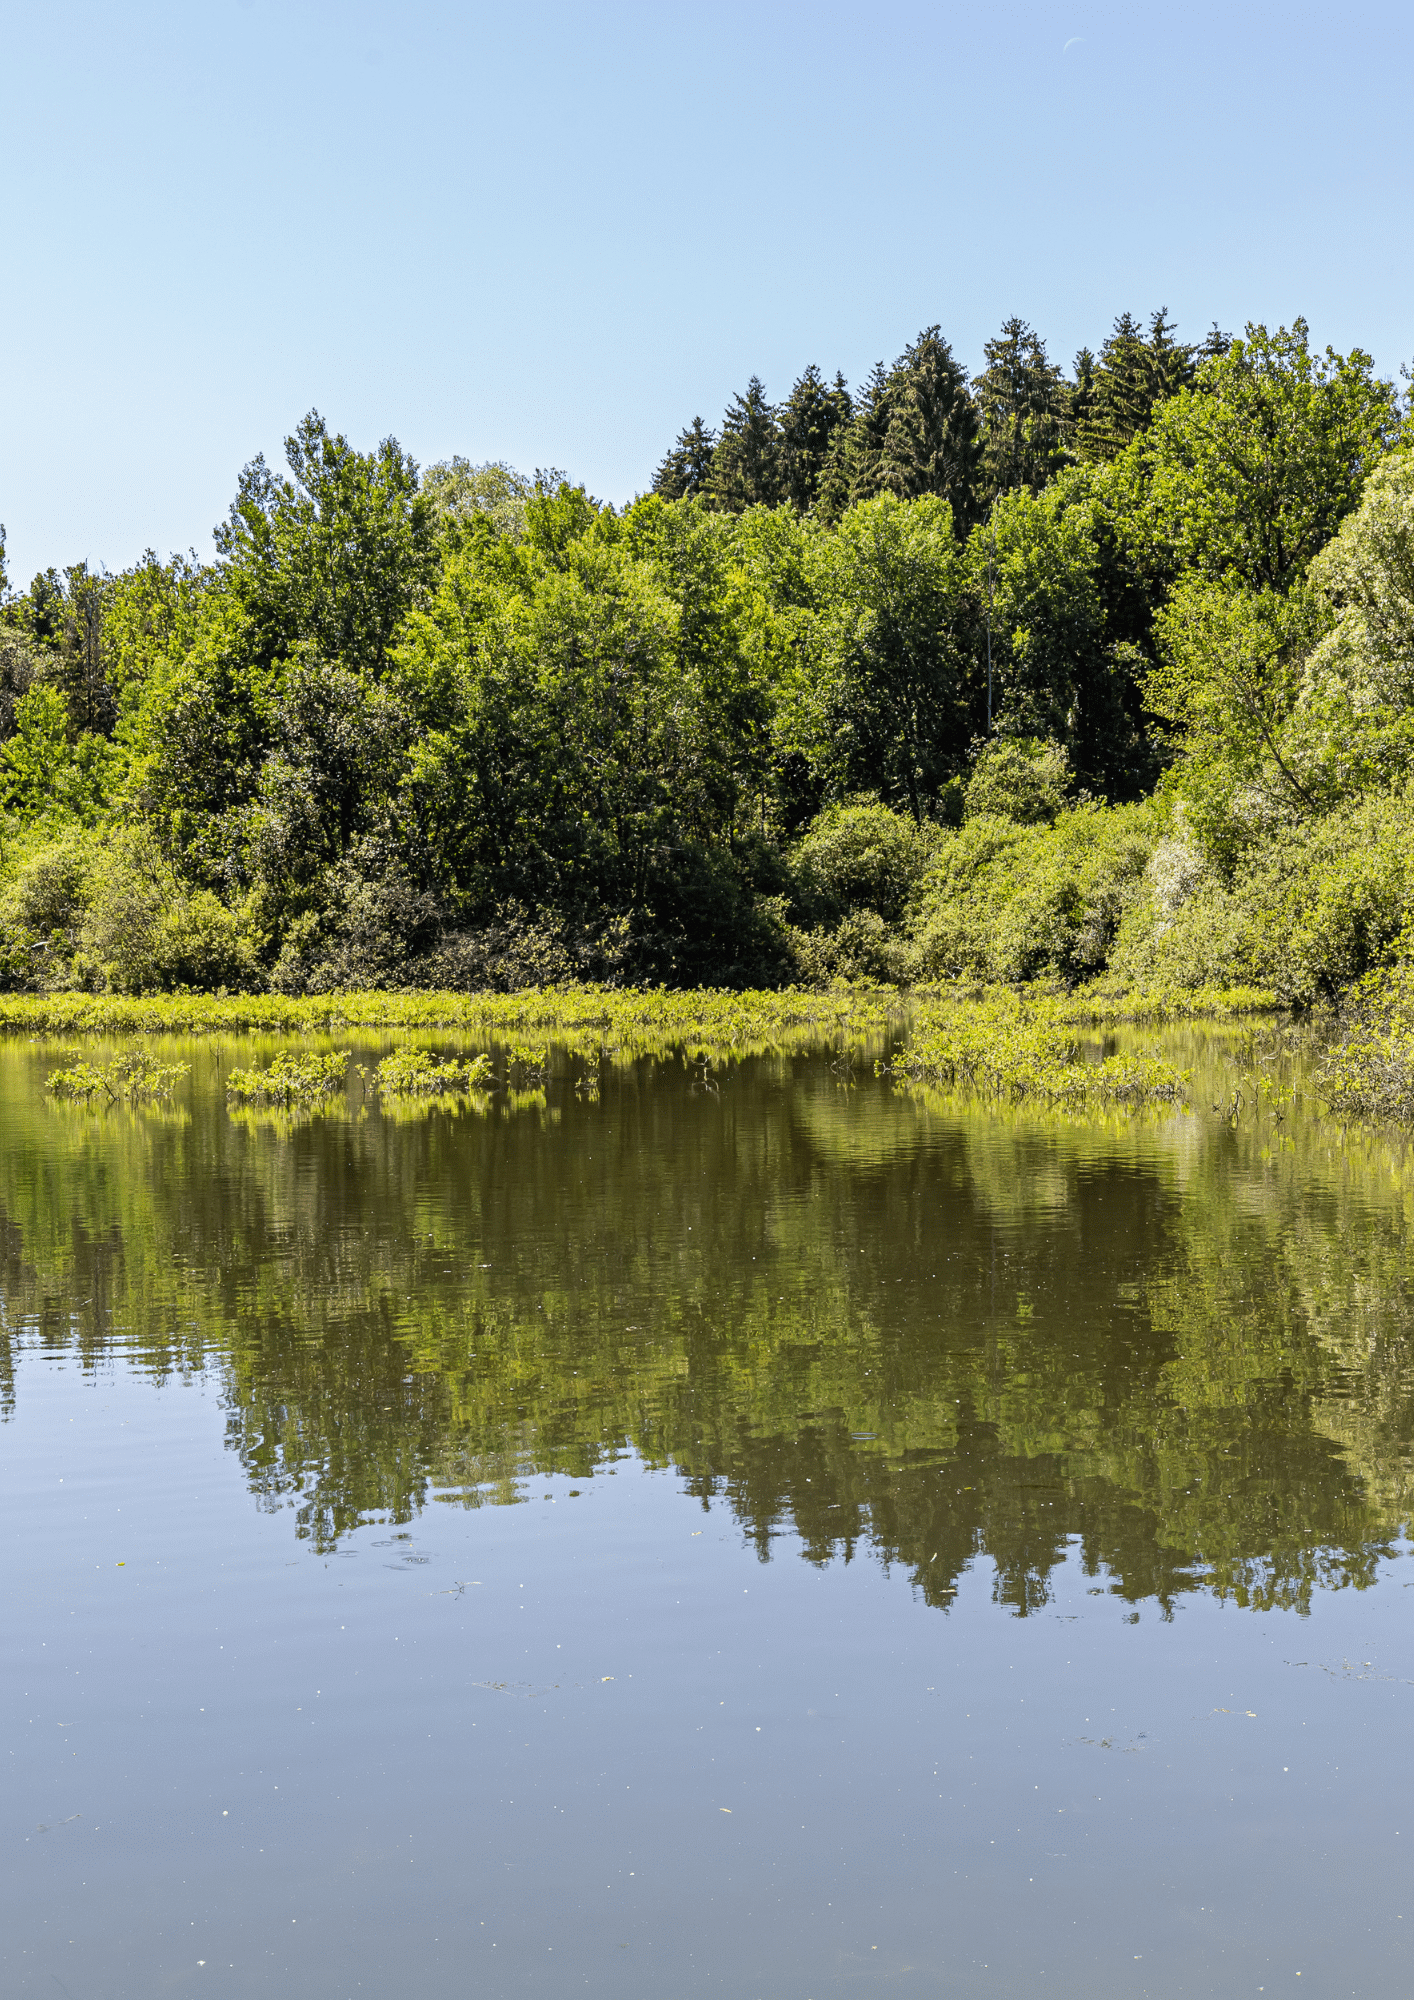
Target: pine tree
<point>810,419</point>
<point>687,469</point>
<point>1023,403</point>
<point>746,470</point>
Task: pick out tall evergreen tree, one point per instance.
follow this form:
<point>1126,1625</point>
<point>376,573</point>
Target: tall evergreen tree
<point>851,468</point>
<point>810,418</point>
<point>1137,370</point>
<point>1023,403</point>
<point>914,432</point>
<point>687,469</point>
<point>932,443</point>
<point>746,469</point>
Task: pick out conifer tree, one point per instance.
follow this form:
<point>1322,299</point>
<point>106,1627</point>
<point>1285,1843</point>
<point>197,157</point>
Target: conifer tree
<point>851,469</point>
<point>810,418</point>
<point>746,468</point>
<point>1023,403</point>
<point>1137,370</point>
<point>932,443</point>
<point>687,469</point>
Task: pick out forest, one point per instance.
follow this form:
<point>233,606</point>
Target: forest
<point>1024,675</point>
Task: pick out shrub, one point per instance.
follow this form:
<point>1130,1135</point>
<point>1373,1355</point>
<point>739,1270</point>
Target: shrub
<point>860,857</point>
<point>416,1073</point>
<point>861,947</point>
<point>143,932</point>
<point>1369,1072</point>
<point>137,1076</point>
<point>1011,901</point>
<point>1306,911</point>
<point>1021,778</point>
<point>290,1079</point>
<point>42,910</point>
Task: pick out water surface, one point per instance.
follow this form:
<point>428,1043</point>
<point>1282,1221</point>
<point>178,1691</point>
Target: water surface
<point>775,1535</point>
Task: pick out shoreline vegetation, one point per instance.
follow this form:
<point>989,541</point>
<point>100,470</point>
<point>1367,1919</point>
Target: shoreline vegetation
<point>945,719</point>
<point>994,1042</point>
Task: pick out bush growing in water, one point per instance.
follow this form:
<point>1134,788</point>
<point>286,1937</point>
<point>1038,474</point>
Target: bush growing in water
<point>415,1073</point>
<point>136,1076</point>
<point>290,1079</point>
<point>1369,1071</point>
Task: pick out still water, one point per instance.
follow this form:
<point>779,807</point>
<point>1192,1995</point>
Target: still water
<point>779,1536</point>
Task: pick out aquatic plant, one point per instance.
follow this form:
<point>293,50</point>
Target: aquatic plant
<point>134,1076</point>
<point>608,1019</point>
<point>1025,1046</point>
<point>290,1079</point>
<point>416,1073</point>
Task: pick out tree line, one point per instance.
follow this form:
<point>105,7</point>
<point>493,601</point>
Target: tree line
<point>922,427</point>
<point>464,726</point>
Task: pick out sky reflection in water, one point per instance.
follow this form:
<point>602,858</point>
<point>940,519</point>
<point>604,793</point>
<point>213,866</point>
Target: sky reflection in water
<point>952,1549</point>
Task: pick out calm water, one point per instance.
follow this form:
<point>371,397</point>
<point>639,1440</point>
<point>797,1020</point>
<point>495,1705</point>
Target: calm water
<point>792,1539</point>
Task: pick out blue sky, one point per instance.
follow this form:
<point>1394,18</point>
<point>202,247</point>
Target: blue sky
<point>554,235</point>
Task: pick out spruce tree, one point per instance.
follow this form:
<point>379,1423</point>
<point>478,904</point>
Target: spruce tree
<point>746,469</point>
<point>687,469</point>
<point>851,470</point>
<point>931,444</point>
<point>1023,403</point>
<point>1137,370</point>
<point>810,418</point>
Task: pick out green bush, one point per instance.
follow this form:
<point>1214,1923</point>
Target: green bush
<point>1022,778</point>
<point>861,948</point>
<point>1008,901</point>
<point>1306,911</point>
<point>144,932</point>
<point>860,857</point>
<point>42,908</point>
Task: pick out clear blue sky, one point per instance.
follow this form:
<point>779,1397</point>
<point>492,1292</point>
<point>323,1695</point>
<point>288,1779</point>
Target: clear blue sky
<point>553,234</point>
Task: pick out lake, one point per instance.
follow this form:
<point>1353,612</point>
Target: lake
<point>755,1532</point>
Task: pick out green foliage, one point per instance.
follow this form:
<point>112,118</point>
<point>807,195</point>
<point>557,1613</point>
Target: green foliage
<point>1134,374</point>
<point>1250,472</point>
<point>1368,1071</point>
<point>813,415</point>
<point>144,930</point>
<point>418,1073</point>
<point>136,1077</point>
<point>1057,672</point>
<point>1013,902</point>
<point>44,772</point>
<point>860,857</point>
<point>1025,1045</point>
<point>917,433</point>
<point>1232,664</point>
<point>746,465</point>
<point>1366,577</point>
<point>1305,911</point>
<point>1021,778</point>
<point>64,616</point>
<point>334,556</point>
<point>1023,406</point>
<point>686,471</point>
<point>462,494</point>
<point>42,907</point>
<point>887,696</point>
<point>290,1080</point>
<point>468,728</point>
